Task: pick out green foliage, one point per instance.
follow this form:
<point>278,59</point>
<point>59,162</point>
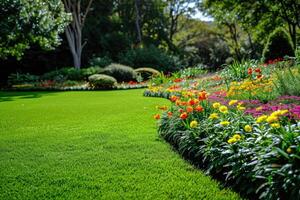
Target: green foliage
<point>100,61</point>
<point>287,81</point>
<point>237,71</point>
<point>278,45</point>
<point>27,22</point>
<point>193,72</point>
<point>18,78</point>
<point>69,73</point>
<point>149,57</point>
<point>120,72</point>
<point>101,81</point>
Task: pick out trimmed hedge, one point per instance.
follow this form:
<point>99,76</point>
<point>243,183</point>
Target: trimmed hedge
<point>101,81</point>
<point>279,45</point>
<point>120,72</point>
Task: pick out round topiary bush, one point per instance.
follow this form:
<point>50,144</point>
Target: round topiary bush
<point>279,45</point>
<point>101,81</point>
<point>120,72</point>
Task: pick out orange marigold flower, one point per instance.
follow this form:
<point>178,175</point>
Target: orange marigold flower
<point>157,116</point>
<point>174,98</point>
<point>170,114</point>
<point>189,109</point>
<point>184,115</point>
<point>199,108</point>
<point>183,103</point>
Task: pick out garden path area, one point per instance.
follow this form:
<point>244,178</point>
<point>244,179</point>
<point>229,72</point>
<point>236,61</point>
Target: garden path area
<point>91,145</point>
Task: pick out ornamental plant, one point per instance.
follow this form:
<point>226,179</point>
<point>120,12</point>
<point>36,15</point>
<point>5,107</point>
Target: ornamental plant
<point>255,155</point>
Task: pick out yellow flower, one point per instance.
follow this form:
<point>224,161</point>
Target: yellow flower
<point>283,112</point>
<point>216,105</point>
<point>241,107</point>
<point>223,109</point>
<point>272,118</point>
<point>259,108</point>
<point>275,125</point>
<point>193,124</point>
<point>225,123</point>
<point>237,136</point>
<point>213,116</point>
<point>231,141</point>
<point>248,128</point>
<point>261,119</point>
<point>289,150</point>
<point>232,102</point>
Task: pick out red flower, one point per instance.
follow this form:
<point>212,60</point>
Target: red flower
<point>170,114</point>
<point>192,102</point>
<point>180,110</point>
<point>178,80</point>
<point>184,115</point>
<point>259,76</point>
<point>258,70</point>
<point>250,71</point>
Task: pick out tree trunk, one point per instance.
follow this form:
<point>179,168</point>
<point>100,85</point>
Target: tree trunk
<point>74,30</point>
<point>138,21</point>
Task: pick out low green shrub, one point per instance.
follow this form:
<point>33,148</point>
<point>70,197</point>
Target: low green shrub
<point>193,72</point>
<point>63,74</point>
<point>19,78</point>
<point>287,81</point>
<point>237,71</point>
<point>279,45</point>
<point>101,81</point>
<point>151,57</point>
<point>120,72</point>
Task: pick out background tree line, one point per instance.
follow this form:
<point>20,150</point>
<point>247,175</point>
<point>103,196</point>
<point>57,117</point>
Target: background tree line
<point>140,33</point>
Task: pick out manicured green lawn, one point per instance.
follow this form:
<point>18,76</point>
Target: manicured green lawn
<point>91,145</point>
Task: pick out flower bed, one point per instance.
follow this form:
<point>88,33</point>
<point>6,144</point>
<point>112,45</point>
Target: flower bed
<point>248,135</point>
<point>255,155</point>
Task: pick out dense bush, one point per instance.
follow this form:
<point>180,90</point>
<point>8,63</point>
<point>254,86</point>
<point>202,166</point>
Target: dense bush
<point>101,81</point>
<point>100,61</point>
<point>150,57</point>
<point>279,45</point>
<point>72,74</point>
<point>287,81</point>
<point>120,72</point>
<point>15,79</point>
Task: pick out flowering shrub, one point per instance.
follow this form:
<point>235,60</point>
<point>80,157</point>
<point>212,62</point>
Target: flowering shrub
<point>260,89</point>
<point>257,155</point>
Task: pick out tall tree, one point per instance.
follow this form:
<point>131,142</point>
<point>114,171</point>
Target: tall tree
<point>74,30</point>
<point>177,9</point>
<point>27,22</point>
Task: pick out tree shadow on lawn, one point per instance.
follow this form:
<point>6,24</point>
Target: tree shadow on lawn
<point>15,95</point>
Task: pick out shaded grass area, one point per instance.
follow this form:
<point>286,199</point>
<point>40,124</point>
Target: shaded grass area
<point>91,145</point>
